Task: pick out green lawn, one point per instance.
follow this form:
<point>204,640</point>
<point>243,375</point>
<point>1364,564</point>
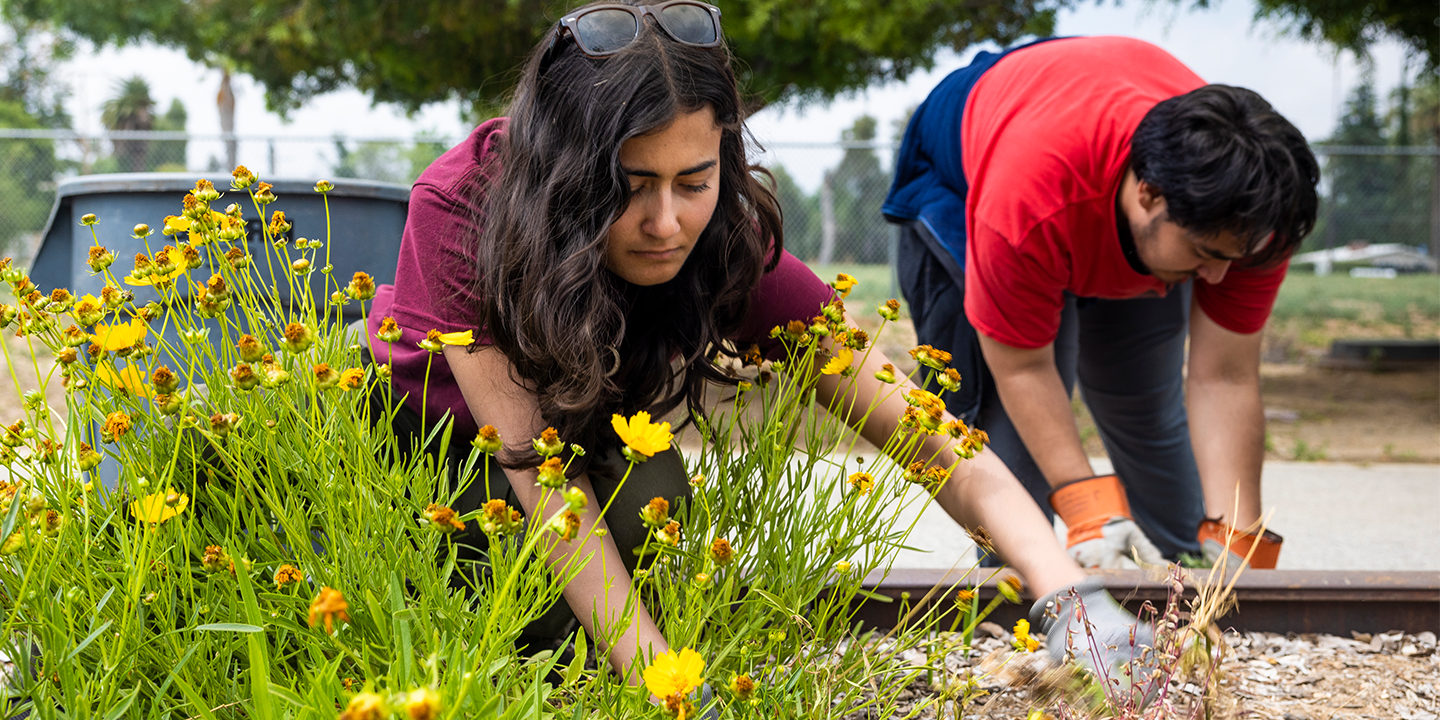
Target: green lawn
<point>1400,300</point>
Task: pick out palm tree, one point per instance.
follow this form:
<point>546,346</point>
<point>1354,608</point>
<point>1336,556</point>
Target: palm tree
<point>131,109</point>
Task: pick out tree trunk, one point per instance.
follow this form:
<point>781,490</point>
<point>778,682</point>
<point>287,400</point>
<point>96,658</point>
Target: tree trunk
<point>226,102</point>
<point>827,221</point>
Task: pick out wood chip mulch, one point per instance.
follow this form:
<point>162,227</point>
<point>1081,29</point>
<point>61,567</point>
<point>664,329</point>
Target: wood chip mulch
<point>1264,676</point>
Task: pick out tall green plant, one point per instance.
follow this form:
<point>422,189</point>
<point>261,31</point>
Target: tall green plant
<point>269,550</point>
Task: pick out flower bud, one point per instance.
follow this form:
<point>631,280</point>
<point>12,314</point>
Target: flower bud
<point>886,374</point>
<point>99,259</point>
<point>389,331</point>
<point>742,687</point>
<point>249,348</point>
<point>324,186</point>
<point>238,258</point>
<point>205,191</point>
<point>657,513</point>
<point>551,474</point>
<point>164,380</point>
<point>243,377</point>
<point>576,498</point>
<point>298,337</point>
<point>566,525</point>
<point>89,219</point>
<point>890,310</point>
<point>361,287</point>
<point>548,444</point>
<point>300,266</point>
<point>241,177</point>
<point>264,194</point>
<point>86,457</point>
<point>141,231</point>
<point>325,376</point>
<point>721,553</point>
<point>487,440</point>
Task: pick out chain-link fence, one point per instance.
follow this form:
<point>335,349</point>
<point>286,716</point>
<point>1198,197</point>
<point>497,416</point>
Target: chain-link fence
<point>831,192</point>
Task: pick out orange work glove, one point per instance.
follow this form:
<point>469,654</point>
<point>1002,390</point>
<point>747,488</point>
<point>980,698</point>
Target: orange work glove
<point>1102,532</point>
<point>1216,537</point>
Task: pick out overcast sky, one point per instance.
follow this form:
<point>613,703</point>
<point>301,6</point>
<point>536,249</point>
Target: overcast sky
<point>1303,81</point>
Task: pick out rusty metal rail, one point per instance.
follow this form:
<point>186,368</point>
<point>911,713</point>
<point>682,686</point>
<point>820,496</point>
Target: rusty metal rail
<point>1285,601</point>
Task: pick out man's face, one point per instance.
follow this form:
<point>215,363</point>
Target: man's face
<point>1172,253</point>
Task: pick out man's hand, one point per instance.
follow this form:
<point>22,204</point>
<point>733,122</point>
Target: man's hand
<point>1217,539</point>
<point>1120,542</point>
<point>1102,534</point>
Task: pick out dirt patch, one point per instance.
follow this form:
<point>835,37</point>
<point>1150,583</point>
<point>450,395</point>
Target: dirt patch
<point>1265,676</point>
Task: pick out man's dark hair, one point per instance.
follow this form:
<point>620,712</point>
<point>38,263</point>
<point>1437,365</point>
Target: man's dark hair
<point>1225,160</point>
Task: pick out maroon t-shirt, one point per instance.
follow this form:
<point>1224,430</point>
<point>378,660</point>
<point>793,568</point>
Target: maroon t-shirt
<point>435,280</point>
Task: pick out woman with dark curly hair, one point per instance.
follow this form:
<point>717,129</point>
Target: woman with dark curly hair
<point>606,243</point>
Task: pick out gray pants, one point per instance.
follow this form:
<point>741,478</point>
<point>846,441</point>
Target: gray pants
<point>1127,355</point>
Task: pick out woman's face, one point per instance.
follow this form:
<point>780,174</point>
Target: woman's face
<point>674,184</point>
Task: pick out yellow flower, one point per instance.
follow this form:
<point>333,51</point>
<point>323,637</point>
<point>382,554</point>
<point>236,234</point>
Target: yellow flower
<point>487,440</point>
<point>128,380</point>
<point>931,357</point>
<point>119,337</point>
<point>673,674</point>
<point>365,706</point>
<point>159,507</point>
<point>843,283</point>
<point>840,363</point>
<point>862,481</point>
<point>460,339</point>
<point>422,704</point>
<point>641,436</point>
<point>327,607</point>
<point>351,378</point>
<point>1023,641</point>
<point>177,261</point>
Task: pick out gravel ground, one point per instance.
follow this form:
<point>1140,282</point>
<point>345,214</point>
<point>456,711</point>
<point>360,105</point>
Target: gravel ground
<point>1265,676</point>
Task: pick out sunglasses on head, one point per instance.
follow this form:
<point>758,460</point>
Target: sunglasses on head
<point>602,30</point>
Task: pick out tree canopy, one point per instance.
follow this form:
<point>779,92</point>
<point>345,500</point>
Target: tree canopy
<point>423,51</point>
<point>1355,26</point>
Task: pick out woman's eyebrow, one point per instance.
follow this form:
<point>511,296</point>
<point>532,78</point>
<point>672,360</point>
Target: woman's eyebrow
<point>702,167</point>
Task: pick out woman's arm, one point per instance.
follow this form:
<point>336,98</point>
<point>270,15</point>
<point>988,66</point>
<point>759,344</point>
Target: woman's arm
<point>981,492</point>
<point>600,588</point>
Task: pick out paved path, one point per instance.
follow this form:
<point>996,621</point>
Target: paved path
<point>1334,516</point>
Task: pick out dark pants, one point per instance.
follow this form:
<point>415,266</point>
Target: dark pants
<point>1128,356</point>
<point>660,476</point>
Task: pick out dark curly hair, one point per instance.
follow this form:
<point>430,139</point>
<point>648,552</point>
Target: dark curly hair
<point>548,300</point>
<point>1226,161</point>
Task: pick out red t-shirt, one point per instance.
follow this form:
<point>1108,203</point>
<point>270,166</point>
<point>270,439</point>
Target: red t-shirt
<point>1046,143</point>
<point>435,281</point>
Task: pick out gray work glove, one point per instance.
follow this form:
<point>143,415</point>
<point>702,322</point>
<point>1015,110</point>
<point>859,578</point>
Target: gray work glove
<point>1084,624</point>
<point>1121,539</point>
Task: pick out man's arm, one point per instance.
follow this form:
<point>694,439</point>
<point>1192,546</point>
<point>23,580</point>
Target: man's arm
<point>1035,399</point>
<point>602,584</point>
<point>1227,418</point>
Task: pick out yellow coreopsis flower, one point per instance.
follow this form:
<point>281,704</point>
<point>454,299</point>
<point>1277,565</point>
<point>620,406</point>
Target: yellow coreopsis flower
<point>127,380</point>
<point>177,260</point>
<point>840,363</point>
<point>641,436</point>
<point>844,283</point>
<point>159,507</point>
<point>120,336</point>
<point>863,482</point>
<point>674,674</point>
<point>1023,641</point>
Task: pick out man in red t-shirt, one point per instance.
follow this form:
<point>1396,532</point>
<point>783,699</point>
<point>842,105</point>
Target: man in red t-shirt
<point>1074,207</point>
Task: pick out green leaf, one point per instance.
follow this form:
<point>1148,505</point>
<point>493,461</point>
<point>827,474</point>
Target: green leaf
<point>201,708</point>
<point>231,627</point>
<point>259,658</point>
<point>86,642</point>
<point>123,706</point>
